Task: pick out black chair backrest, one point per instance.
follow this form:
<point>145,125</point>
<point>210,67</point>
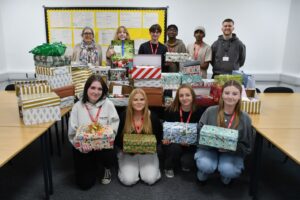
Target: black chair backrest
<point>10,87</point>
<point>278,90</point>
<point>257,90</point>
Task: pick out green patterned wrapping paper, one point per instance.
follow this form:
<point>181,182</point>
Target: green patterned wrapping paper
<point>222,79</point>
<point>128,50</point>
<point>171,80</point>
<point>191,78</point>
<point>222,138</point>
<point>139,143</point>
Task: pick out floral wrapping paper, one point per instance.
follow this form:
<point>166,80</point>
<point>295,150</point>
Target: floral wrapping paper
<point>139,143</point>
<point>179,132</point>
<point>95,140</point>
<point>171,80</point>
<point>117,74</point>
<point>51,61</point>
<point>177,57</point>
<point>222,138</point>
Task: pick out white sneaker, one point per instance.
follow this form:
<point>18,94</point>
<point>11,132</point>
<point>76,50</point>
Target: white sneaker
<point>185,169</point>
<point>107,177</point>
<point>169,173</point>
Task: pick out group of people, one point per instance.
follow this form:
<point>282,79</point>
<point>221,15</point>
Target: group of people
<point>95,106</point>
<point>226,54</point>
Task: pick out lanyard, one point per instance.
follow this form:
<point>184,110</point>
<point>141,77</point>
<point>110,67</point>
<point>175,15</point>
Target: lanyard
<point>97,115</point>
<point>137,128</point>
<point>231,120</point>
<point>181,118</point>
<point>123,49</point>
<point>196,53</point>
<point>154,52</point>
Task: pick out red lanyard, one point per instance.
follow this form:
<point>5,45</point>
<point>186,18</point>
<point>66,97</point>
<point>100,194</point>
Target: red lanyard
<point>196,53</point>
<point>97,115</point>
<point>231,120</point>
<point>154,52</point>
<point>181,118</point>
<point>137,128</point>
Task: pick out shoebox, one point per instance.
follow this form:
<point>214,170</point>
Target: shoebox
<point>154,96</point>
<point>95,136</point>
<point>221,138</point>
<point>171,80</point>
<point>139,143</point>
<point>179,132</point>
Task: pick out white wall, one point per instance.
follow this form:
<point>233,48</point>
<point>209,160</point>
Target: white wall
<point>291,61</point>
<point>261,24</point>
<point>2,55</point>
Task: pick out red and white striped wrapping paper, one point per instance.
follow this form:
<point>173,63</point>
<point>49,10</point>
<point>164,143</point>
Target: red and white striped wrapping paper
<point>146,72</point>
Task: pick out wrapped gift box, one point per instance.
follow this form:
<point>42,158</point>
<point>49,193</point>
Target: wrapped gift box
<point>223,78</point>
<point>32,87</point>
<point>56,76</point>
<point>126,89</point>
<point>40,108</point>
<point>146,72</point>
<point>222,138</point>
<point>79,77</point>
<point>191,69</point>
<point>118,74</point>
<point>67,101</point>
<point>65,91</point>
<point>205,101</point>
<point>178,132</point>
<point>51,61</point>
<point>100,70</point>
<point>177,57</point>
<point>171,80</point>
<point>147,83</point>
<point>122,58</point>
<point>139,143</point>
<point>154,96</point>
<point>251,105</point>
<point>191,78</point>
<point>97,139</point>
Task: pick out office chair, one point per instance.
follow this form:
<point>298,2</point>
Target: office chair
<point>279,90</point>
<point>10,87</point>
<point>257,90</point>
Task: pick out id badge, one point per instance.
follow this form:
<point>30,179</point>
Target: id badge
<point>225,58</point>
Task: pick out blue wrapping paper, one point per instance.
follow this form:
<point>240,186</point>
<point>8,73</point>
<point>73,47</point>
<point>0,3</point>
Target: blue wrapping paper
<point>179,132</point>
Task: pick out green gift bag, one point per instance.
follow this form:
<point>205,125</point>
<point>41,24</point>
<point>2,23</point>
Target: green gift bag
<point>46,49</point>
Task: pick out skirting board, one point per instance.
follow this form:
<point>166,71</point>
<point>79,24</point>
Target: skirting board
<point>284,78</point>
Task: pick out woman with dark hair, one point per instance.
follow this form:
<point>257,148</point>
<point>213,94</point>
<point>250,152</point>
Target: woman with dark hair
<point>88,51</point>
<point>183,109</point>
<point>227,114</point>
<point>93,108</point>
<point>140,120</point>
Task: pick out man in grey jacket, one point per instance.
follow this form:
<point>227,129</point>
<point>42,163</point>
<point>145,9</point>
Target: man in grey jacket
<point>228,52</point>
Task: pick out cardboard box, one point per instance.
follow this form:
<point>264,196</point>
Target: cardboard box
<point>221,138</point>
<point>139,143</point>
<point>65,91</point>
<point>179,132</point>
<point>154,96</point>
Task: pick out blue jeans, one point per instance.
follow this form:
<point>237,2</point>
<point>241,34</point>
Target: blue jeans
<point>208,160</point>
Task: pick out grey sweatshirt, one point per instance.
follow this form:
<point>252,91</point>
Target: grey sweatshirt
<point>234,49</point>
<point>245,129</point>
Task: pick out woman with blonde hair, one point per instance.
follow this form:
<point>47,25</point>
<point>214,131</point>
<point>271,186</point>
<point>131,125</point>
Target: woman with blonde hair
<point>138,119</point>
<point>183,109</point>
<point>227,114</point>
<point>121,34</point>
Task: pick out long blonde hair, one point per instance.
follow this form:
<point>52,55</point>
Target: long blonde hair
<point>119,30</point>
<point>237,109</point>
<point>175,106</point>
<point>147,126</point>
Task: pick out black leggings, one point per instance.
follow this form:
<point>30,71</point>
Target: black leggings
<point>87,165</point>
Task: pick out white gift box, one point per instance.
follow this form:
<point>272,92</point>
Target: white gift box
<point>147,83</point>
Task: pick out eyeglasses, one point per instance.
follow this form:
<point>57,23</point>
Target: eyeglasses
<point>87,33</point>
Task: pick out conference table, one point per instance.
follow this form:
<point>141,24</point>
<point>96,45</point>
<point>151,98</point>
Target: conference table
<point>279,124</point>
<point>16,136</point>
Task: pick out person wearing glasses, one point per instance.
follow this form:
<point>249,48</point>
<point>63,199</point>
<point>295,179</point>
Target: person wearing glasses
<point>93,108</point>
<point>88,52</point>
<point>154,46</point>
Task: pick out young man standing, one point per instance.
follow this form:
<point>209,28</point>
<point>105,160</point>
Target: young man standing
<point>200,51</point>
<point>228,52</point>
<point>174,45</point>
<point>154,46</point>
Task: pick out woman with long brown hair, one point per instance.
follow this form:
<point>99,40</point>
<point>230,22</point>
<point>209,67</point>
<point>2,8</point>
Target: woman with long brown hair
<point>227,114</point>
<point>139,120</point>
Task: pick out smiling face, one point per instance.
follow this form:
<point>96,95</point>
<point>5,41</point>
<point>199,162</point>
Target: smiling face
<point>94,92</point>
<point>185,97</point>
<point>88,35</point>
<point>172,32</point>
<point>155,35</point>
<point>138,102</point>
<point>231,95</point>
<point>122,35</point>
<point>227,28</point>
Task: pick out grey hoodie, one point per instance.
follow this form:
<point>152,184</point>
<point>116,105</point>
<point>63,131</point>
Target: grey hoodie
<point>232,48</point>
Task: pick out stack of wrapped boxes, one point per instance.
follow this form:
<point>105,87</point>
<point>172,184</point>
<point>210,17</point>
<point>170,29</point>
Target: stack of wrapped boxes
<point>146,74</point>
<point>79,76</point>
<point>37,103</point>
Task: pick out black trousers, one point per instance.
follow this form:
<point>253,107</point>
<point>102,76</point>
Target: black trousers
<point>177,154</point>
<point>87,166</point>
